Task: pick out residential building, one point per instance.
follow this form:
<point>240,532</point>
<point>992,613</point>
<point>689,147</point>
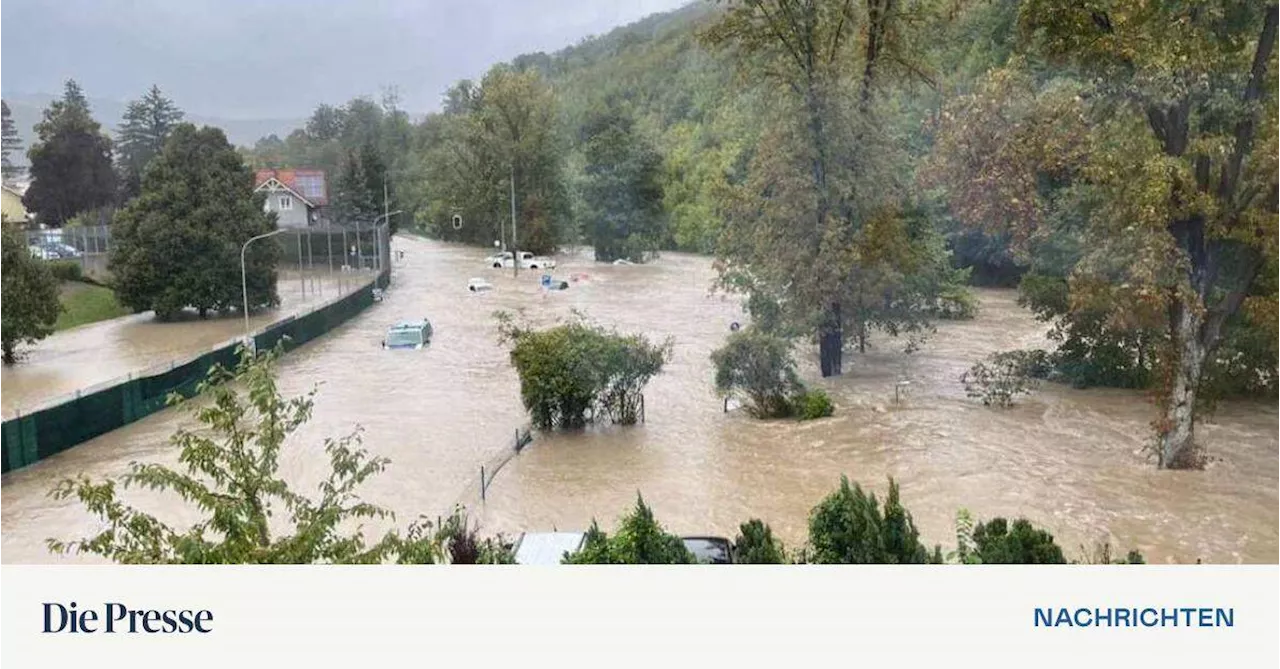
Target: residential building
<point>300,197</point>
<point>13,211</point>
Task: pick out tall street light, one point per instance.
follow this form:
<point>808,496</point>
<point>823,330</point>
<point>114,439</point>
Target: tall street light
<point>379,217</point>
<point>244,277</point>
<point>515,247</point>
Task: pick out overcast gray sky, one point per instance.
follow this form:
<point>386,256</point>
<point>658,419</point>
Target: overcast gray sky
<point>277,59</point>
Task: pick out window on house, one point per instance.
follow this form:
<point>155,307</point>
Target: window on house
<point>286,203</point>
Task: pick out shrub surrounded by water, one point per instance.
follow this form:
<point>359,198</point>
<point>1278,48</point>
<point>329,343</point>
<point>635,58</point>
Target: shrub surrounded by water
<point>575,372</point>
<point>1005,375</point>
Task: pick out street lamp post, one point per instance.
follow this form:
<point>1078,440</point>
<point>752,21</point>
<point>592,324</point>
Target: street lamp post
<point>387,216</point>
<point>244,278</point>
<point>515,247</point>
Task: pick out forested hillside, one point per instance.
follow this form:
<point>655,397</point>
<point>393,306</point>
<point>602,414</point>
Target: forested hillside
<point>852,165</point>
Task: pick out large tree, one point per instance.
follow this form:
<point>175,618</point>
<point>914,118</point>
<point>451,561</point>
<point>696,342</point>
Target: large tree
<point>358,190</point>
<point>71,168</point>
<point>177,244</point>
<point>504,129</point>
<point>621,190</point>
<point>12,143</point>
<point>146,125</point>
<point>1171,130</point>
<point>823,213</point>
<point>30,295</point>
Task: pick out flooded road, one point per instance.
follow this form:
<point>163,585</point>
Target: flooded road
<point>1069,460</point>
<point>86,357</point>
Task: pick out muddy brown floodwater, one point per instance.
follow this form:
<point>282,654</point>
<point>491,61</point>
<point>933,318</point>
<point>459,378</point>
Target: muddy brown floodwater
<point>1070,460</point>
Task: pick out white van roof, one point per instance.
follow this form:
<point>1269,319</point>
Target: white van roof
<point>547,547</point>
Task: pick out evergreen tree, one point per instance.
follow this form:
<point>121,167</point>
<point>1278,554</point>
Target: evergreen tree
<point>11,143</point>
<point>30,295</point>
<point>640,539</point>
<point>621,192</point>
<point>70,162</point>
<point>177,244</point>
<point>146,125</point>
<point>353,201</point>
<point>848,527</point>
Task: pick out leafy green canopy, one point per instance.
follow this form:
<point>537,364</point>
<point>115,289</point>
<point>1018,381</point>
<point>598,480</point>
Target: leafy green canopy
<point>575,372</point>
<point>756,544</point>
<point>503,129</point>
<point>178,244</point>
<point>1153,153</point>
<point>228,471</point>
<point>640,539</point>
<point>849,527</point>
<point>759,366</point>
<point>621,189</point>
<point>30,295</point>
<point>70,162</point>
<point>146,125</point>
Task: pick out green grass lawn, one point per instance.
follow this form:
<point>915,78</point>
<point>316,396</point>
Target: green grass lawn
<point>86,303</point>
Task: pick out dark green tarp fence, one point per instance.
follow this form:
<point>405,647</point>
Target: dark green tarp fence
<point>35,436</point>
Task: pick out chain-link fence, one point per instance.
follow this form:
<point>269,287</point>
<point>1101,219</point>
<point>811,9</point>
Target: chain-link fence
<point>306,254</point>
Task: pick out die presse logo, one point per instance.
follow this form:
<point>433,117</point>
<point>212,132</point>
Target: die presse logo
<point>115,618</point>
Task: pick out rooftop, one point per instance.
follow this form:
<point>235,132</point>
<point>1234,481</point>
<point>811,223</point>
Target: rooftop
<point>307,183</point>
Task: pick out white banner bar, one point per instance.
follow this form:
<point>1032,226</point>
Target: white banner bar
<point>1175,616</point>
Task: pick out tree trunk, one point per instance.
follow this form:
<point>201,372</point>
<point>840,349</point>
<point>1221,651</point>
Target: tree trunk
<point>1177,448</point>
<point>9,357</point>
<point>831,344</point>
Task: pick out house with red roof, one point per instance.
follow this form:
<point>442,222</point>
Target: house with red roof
<point>300,197</point>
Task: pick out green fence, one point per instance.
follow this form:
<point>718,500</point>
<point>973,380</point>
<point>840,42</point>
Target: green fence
<point>37,435</point>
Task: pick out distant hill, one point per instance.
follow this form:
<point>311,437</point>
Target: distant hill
<point>27,111</point>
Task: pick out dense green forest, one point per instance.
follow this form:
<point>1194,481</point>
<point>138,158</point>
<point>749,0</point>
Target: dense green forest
<point>853,165</point>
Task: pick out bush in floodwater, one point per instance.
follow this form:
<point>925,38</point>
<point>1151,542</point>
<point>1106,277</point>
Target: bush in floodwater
<point>849,527</point>
<point>755,544</point>
<point>639,540</point>
<point>1003,376</point>
<point>759,366</point>
<point>575,372</point>
<point>811,404</point>
<point>1000,542</point>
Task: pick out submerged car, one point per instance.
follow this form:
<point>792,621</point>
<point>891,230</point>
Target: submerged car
<point>408,334</point>
<point>527,261</point>
<point>479,286</point>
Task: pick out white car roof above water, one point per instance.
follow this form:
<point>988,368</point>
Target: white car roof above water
<point>547,547</point>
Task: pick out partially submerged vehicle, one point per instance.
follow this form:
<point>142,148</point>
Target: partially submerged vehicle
<point>479,286</point>
<point>546,548</point>
<point>551,283</point>
<point>408,334</point>
<point>527,261</point>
